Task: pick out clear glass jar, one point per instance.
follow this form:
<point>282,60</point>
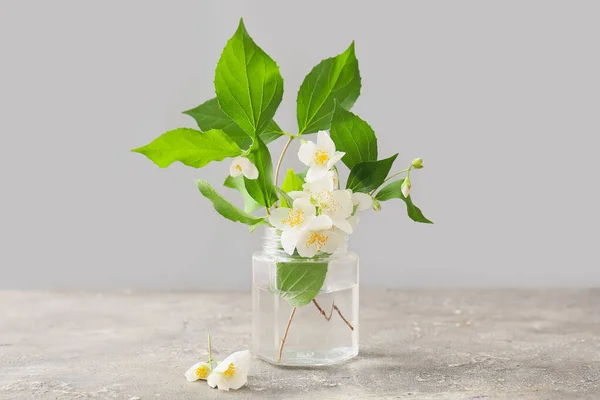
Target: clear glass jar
<point>322,332</point>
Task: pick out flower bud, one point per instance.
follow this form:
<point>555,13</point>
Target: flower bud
<point>376,205</point>
<point>417,163</point>
<point>406,187</point>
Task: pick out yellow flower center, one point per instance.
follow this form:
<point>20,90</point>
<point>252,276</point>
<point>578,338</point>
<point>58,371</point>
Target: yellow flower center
<point>317,239</point>
<point>238,167</point>
<point>230,371</point>
<point>321,157</point>
<point>294,218</point>
<point>202,372</point>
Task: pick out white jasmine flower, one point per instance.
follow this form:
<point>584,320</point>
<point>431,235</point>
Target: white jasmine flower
<point>242,165</point>
<point>362,200</point>
<point>297,217</point>
<point>336,204</point>
<point>231,373</point>
<point>197,371</point>
<point>311,242</point>
<point>290,239</point>
<point>291,220</point>
<point>319,157</point>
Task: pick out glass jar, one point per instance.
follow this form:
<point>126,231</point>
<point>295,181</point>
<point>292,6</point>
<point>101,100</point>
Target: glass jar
<point>323,331</point>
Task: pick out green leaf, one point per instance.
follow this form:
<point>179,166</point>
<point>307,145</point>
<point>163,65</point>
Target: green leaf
<point>369,175</point>
<point>272,132</point>
<point>353,136</point>
<point>286,200</point>
<point>237,183</point>
<point>224,207</point>
<point>248,83</point>
<point>336,78</point>
<point>209,115</point>
<point>394,191</point>
<point>262,189</point>
<point>190,147</point>
<point>300,281</point>
<point>252,228</point>
<point>302,174</point>
<point>291,183</point>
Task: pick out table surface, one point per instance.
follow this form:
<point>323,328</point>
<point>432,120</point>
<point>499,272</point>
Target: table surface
<point>458,344</point>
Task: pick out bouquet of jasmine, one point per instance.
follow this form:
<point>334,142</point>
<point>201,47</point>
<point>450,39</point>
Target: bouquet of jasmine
<point>311,209</point>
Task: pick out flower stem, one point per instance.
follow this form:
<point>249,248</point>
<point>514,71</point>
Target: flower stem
<point>341,316</point>
<point>281,158</point>
<point>333,307</point>
<point>407,170</point>
<point>323,311</point>
<point>210,359</point>
<point>287,328</point>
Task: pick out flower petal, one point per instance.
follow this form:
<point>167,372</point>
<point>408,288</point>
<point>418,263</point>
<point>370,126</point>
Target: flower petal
<point>200,370</point>
<point>289,239</point>
<point>250,170</point>
<point>214,379</point>
<point>405,190</point>
<point>343,198</point>
<point>342,224</point>
<point>325,143</point>
<point>296,194</point>
<point>235,169</point>
<point>306,153</point>
<point>316,172</point>
<point>335,157</point>
<point>277,216</point>
<point>324,183</point>
<point>242,367</point>
<point>303,204</point>
<point>217,379</point>
<point>238,380</point>
<point>232,372</point>
<point>304,248</point>
<point>362,200</point>
<point>322,222</point>
<point>334,241</point>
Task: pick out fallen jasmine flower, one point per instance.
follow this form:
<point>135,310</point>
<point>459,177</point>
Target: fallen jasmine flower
<point>200,370</point>
<point>231,373</point>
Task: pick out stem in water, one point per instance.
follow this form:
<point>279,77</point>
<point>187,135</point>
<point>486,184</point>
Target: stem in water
<point>333,307</point>
<point>287,328</point>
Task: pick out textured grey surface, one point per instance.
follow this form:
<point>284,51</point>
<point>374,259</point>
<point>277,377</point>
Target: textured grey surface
<point>415,345</point>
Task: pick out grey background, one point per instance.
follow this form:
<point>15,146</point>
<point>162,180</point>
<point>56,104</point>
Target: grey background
<point>501,99</point>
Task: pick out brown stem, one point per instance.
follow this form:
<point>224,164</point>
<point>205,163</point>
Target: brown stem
<point>281,158</point>
<point>323,311</point>
<point>334,307</point>
<point>345,320</point>
<point>287,328</point>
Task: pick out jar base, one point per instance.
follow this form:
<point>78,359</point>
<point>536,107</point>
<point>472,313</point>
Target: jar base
<point>313,358</point>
